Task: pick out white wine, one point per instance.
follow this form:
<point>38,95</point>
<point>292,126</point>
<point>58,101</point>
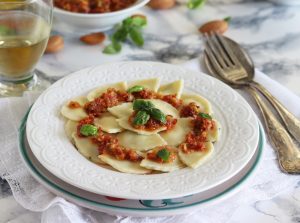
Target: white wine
<point>23,38</point>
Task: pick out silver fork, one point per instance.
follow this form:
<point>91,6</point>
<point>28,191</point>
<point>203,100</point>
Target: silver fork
<point>229,69</point>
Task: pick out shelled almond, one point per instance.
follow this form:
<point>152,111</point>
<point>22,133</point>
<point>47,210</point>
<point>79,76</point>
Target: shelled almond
<point>218,26</point>
<point>55,44</point>
<point>161,4</point>
<point>93,38</point>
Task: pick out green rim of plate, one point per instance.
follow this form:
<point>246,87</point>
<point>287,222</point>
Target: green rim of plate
<point>98,204</point>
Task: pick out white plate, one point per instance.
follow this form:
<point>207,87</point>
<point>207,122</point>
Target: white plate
<point>139,207</point>
<point>47,139</point>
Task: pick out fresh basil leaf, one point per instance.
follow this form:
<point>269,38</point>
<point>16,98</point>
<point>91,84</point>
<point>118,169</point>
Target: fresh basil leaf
<point>139,21</point>
<point>142,105</point>
<point>88,130</point>
<point>227,19</point>
<point>141,118</point>
<point>136,88</point>
<point>204,115</point>
<point>164,154</point>
<point>158,115</point>
<point>193,4</point>
<point>127,22</point>
<point>136,36</point>
<point>120,35</point>
<point>113,48</point>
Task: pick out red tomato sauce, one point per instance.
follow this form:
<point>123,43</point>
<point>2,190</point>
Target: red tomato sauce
<point>108,144</point>
<point>190,110</point>
<point>110,98</point>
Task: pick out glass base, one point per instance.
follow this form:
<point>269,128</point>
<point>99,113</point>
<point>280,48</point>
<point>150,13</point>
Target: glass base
<point>17,89</point>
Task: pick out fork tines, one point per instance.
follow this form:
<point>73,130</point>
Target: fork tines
<point>222,57</point>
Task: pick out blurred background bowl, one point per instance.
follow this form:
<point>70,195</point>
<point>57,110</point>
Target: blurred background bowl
<point>72,22</point>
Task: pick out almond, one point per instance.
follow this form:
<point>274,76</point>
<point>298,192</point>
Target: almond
<point>55,44</point>
<point>93,38</point>
<point>218,26</point>
<point>162,4</point>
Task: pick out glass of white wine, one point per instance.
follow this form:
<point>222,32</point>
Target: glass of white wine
<point>25,27</point>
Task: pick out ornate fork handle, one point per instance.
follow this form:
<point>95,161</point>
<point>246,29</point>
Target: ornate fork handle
<point>287,152</point>
<point>291,122</point>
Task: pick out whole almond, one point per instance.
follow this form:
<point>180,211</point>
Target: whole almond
<point>218,26</point>
<point>93,38</point>
<point>55,44</point>
<point>162,4</point>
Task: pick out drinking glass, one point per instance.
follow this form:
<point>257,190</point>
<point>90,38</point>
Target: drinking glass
<point>25,27</point>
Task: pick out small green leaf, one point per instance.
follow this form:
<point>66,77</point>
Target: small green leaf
<point>193,4</point>
<point>204,115</point>
<point>139,21</point>
<point>141,118</point>
<point>164,154</point>
<point>227,19</point>
<point>158,115</point>
<point>136,88</point>
<point>113,48</point>
<point>127,22</point>
<point>88,130</point>
<point>120,35</point>
<point>143,105</point>
<point>136,36</point>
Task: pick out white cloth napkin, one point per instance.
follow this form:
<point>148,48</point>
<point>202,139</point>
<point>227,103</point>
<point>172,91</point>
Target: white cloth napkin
<point>268,182</point>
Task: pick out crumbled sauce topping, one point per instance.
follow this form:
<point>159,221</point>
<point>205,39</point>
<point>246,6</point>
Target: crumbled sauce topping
<point>74,105</point>
<point>108,144</point>
<point>148,94</point>
<point>152,155</point>
<point>110,98</point>
<point>154,124</point>
<point>190,110</point>
<point>195,139</point>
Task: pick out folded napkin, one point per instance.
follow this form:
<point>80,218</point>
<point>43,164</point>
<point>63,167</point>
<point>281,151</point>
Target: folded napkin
<point>268,182</point>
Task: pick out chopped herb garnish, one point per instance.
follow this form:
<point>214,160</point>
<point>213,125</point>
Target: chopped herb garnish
<point>143,105</point>
<point>130,27</point>
<point>141,118</point>
<point>88,130</point>
<point>136,88</point>
<point>158,115</point>
<point>227,19</point>
<point>193,4</point>
<point>164,154</point>
<point>204,115</point>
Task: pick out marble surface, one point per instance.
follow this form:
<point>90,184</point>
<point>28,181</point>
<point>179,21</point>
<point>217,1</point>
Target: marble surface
<point>271,34</point>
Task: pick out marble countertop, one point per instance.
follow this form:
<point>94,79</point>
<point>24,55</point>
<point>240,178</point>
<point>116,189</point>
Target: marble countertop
<point>271,34</point>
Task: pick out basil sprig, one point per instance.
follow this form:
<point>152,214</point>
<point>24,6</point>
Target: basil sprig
<point>143,105</point>
<point>204,115</point>
<point>148,108</point>
<point>130,28</point>
<point>141,118</point>
<point>193,4</point>
<point>164,154</point>
<point>136,88</point>
<point>158,115</point>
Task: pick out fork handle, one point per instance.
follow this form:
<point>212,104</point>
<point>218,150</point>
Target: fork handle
<point>291,122</point>
<point>287,152</point>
